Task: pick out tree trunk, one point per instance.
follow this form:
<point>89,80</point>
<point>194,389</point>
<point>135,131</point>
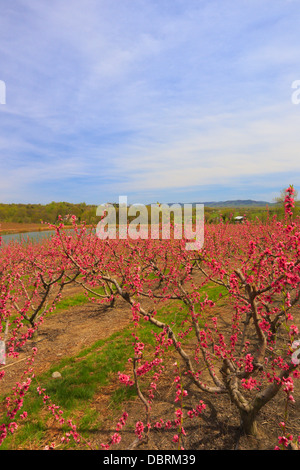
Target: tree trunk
<point>249,414</point>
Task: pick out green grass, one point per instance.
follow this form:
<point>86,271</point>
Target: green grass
<point>77,299</point>
<point>85,374</point>
<point>69,302</point>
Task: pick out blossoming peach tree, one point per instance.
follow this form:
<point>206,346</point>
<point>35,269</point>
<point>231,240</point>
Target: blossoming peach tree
<point>32,278</point>
<point>257,268</point>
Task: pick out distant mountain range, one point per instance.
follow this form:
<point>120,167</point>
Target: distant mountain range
<point>236,203</point>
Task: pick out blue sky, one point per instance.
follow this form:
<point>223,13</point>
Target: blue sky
<point>157,100</point>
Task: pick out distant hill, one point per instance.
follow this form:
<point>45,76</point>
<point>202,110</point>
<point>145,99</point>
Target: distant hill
<point>238,203</point>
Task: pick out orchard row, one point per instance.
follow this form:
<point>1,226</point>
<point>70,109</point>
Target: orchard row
<point>257,265</point>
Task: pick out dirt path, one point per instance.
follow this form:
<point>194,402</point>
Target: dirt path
<point>14,227</point>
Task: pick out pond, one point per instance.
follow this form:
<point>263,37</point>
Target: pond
<point>31,236</point>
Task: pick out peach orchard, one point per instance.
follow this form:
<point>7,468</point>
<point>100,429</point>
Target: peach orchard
<point>256,264</point>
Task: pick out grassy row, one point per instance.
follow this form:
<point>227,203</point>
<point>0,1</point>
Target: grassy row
<point>83,377</point>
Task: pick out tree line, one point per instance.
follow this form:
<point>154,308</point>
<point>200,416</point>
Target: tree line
<point>49,213</point>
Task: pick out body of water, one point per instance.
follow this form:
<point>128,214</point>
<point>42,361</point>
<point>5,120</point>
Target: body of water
<point>26,236</point>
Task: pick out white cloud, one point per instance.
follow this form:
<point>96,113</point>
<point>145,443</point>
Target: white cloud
<point>143,96</point>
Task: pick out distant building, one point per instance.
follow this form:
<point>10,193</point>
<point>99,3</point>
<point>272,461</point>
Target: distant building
<point>238,218</point>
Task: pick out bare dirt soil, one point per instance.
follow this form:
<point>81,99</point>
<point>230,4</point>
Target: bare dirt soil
<point>67,332</point>
<point>14,227</point>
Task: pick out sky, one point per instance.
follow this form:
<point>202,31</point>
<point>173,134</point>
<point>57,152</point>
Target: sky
<point>157,100</point>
